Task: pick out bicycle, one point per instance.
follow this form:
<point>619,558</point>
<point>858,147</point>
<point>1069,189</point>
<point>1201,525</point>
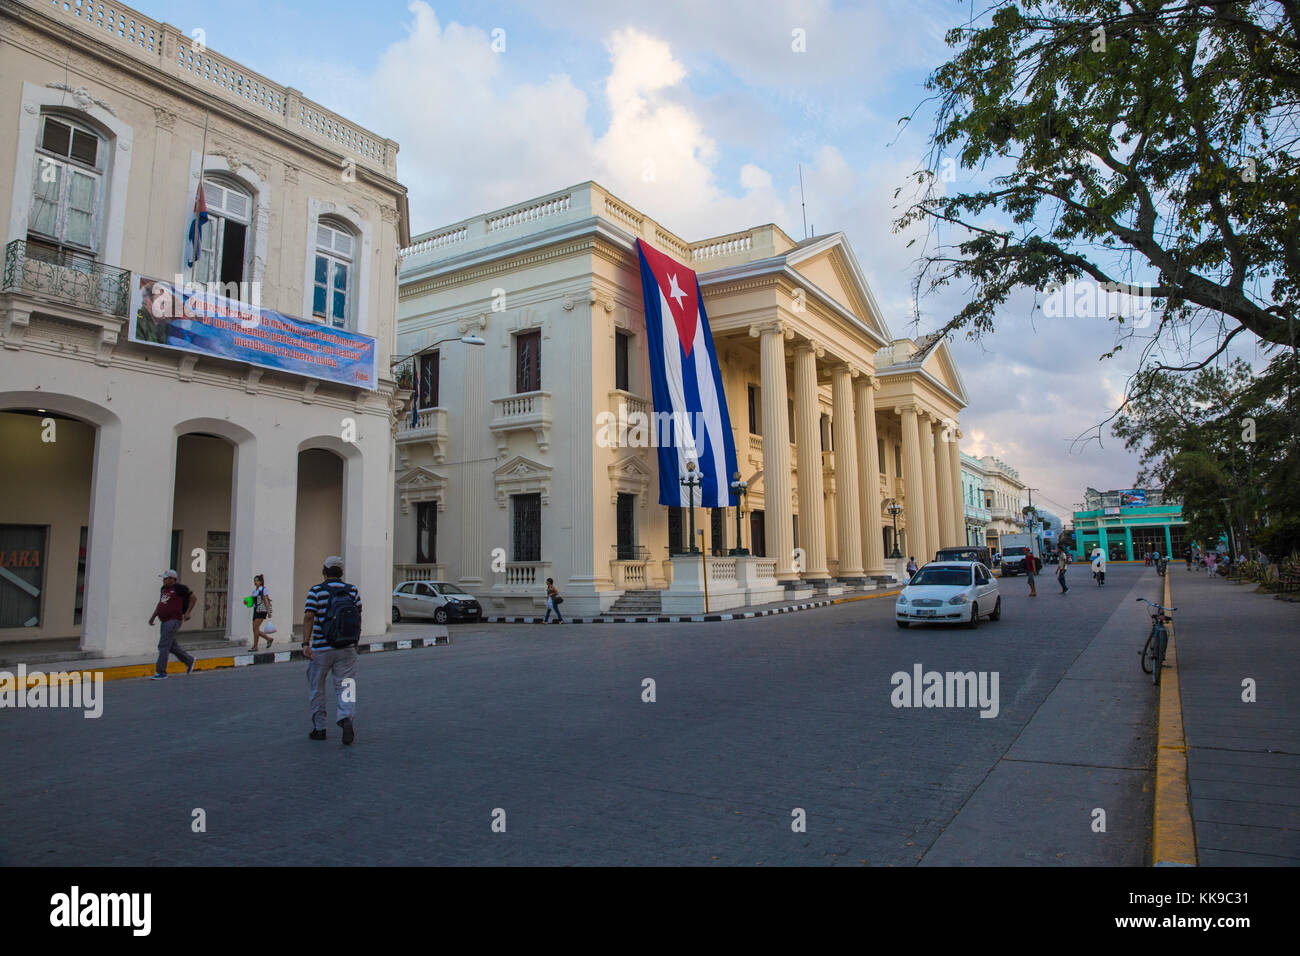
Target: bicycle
<point>1153,652</point>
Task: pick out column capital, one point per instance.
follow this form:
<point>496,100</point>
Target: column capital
<point>808,345</point>
<point>776,326</point>
<point>905,407</point>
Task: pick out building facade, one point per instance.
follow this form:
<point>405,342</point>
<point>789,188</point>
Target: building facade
<point>507,472</point>
<point>1128,524</point>
<point>977,513</point>
<point>123,455</point>
<point>1003,498</point>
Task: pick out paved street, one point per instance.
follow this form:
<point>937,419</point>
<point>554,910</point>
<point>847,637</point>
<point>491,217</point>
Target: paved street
<point>752,719</point>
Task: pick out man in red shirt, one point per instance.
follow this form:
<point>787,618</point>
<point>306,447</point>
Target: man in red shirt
<point>175,601</point>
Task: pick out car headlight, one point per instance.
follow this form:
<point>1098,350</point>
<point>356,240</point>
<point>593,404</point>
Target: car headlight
<point>902,599</point>
<point>959,599</point>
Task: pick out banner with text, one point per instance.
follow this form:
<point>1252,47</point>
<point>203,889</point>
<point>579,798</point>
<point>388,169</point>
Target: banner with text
<point>196,318</point>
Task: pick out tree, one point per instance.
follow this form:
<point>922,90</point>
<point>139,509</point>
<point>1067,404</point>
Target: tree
<point>1130,141</point>
<point>1224,441</point>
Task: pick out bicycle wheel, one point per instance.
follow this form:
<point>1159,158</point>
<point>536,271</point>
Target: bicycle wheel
<point>1148,655</point>
<point>1158,660</point>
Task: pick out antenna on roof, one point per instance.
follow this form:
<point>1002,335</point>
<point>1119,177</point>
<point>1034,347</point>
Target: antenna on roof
<point>802,204</point>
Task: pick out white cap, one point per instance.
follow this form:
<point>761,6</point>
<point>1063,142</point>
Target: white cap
<point>334,561</point>
<point>169,573</point>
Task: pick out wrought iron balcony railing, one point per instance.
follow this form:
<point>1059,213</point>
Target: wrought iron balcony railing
<point>76,280</point>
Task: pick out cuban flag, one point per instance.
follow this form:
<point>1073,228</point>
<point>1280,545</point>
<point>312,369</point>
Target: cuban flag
<point>686,384</point>
<point>194,238</point>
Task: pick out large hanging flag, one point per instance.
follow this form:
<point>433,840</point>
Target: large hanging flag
<point>686,386</point>
<point>194,238</point>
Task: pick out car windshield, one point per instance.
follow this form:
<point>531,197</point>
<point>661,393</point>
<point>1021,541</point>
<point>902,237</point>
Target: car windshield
<point>1014,552</point>
<point>942,577</point>
<point>447,589</point>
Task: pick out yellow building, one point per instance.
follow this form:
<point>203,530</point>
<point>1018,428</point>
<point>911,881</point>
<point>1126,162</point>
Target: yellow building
<point>503,481</point>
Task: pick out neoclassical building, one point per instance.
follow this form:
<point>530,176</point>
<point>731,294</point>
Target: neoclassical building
<point>1003,495</point>
<point>125,448</point>
<point>524,333</point>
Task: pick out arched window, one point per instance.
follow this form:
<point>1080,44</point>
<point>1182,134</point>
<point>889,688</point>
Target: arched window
<point>332,274</point>
<point>224,253</point>
<point>67,190</point>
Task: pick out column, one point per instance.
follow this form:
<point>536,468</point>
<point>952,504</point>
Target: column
<point>1128,544</point>
<point>869,504</point>
<point>954,467</point>
<point>848,512</point>
<point>913,485</point>
<point>778,509</point>
<point>948,536</point>
<point>807,436</point>
<point>1104,544</point>
<point>929,494</point>
<point>1169,545</point>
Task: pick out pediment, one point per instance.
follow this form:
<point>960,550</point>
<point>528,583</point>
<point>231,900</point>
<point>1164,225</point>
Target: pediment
<point>831,265</point>
<point>420,477</point>
<point>521,468</point>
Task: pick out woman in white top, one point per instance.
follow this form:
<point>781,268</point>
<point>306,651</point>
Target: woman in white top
<point>261,610</point>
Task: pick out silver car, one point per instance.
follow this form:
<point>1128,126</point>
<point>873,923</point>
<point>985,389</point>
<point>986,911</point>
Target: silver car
<point>950,592</point>
<point>440,600</point>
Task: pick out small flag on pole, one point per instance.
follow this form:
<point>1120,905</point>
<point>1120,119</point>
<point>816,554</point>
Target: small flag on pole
<point>194,238</point>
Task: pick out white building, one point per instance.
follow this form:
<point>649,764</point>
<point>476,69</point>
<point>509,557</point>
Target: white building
<point>123,457</point>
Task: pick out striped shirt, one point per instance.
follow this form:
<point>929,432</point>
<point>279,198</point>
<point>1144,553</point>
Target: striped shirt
<point>318,602</point>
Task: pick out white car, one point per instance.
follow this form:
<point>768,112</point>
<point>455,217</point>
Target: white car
<point>949,592</point>
<point>439,600</point>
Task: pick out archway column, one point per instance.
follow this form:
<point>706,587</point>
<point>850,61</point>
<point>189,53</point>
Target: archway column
<point>864,420</point>
<point>948,535</point>
<point>263,529</point>
<point>848,512</point>
<point>913,483</point>
<point>807,430</point>
<point>930,501</point>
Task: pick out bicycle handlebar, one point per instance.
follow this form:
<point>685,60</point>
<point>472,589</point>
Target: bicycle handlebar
<point>1154,605</point>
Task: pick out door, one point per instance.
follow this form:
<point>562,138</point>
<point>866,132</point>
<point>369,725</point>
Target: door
<point>757,536</point>
<point>216,581</point>
<point>626,524</point>
<point>427,600</point>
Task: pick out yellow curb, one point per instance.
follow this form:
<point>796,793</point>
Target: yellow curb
<point>1174,840</point>
<point>864,597</point>
<point>38,678</point>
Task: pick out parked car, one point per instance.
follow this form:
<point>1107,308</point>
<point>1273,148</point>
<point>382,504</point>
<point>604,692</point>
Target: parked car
<point>971,552</point>
<point>439,600</point>
<point>952,592</point>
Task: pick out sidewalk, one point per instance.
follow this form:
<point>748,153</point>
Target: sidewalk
<point>207,657</point>
<point>1243,759</point>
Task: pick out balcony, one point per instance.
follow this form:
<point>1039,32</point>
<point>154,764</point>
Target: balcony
<point>527,411</point>
<point>629,403</point>
<point>429,425</point>
<point>522,578</point>
<point>629,568</point>
<point>418,572</point>
<point>73,280</point>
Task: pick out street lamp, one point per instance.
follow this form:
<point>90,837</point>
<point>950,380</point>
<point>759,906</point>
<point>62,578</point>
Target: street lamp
<point>690,483</point>
<point>740,488</point>
<point>895,509</point>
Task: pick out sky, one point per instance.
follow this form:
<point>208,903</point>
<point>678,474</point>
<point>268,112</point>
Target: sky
<point>496,102</point>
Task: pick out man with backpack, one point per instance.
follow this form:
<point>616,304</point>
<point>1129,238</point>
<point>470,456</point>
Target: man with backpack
<point>331,627</point>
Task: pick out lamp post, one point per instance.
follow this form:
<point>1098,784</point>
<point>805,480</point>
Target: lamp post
<point>690,483</point>
<point>740,488</point>
<point>467,339</point>
<point>895,509</point>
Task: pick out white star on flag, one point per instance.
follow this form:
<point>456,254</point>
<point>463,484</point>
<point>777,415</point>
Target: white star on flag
<point>675,291</point>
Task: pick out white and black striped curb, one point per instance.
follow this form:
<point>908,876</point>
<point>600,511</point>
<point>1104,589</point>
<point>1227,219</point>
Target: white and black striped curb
<point>672,619</point>
<point>374,647</point>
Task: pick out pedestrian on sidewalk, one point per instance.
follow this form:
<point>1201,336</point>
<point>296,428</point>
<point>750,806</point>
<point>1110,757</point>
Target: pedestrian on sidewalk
<point>1032,566</point>
<point>1099,566</point>
<point>911,568</point>
<point>1210,558</point>
<point>175,601</point>
<point>1062,562</point>
<point>553,602</point>
<point>261,610</point>
<point>331,627</point>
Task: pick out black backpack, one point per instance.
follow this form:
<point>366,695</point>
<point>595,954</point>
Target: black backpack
<point>342,624</point>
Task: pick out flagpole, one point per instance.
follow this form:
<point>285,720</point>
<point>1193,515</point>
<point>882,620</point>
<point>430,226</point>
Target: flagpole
<point>198,232</point>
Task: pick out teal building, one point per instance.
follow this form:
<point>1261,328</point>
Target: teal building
<point>1129,523</point>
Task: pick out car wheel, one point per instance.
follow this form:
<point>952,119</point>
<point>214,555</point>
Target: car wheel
<point>997,610</point>
<point>440,616</point>
<point>974,621</point>
<point>397,615</point>
<point>902,624</point>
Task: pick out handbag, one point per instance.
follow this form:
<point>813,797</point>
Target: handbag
<point>557,600</point>
<point>269,627</point>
